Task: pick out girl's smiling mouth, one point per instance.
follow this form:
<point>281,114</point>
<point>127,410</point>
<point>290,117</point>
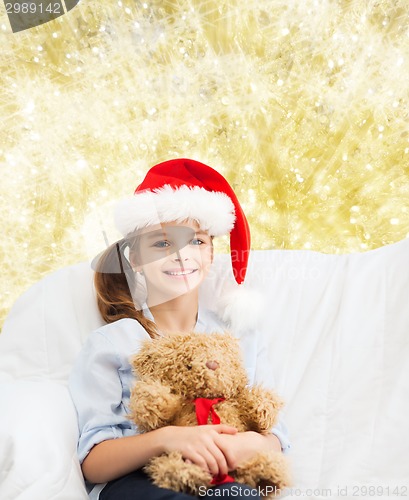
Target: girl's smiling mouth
<point>180,274</point>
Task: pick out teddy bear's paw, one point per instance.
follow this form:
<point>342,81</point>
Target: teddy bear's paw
<point>262,408</point>
<point>267,471</point>
<point>170,471</point>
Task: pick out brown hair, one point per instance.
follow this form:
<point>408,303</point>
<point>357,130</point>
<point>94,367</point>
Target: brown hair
<point>113,279</point>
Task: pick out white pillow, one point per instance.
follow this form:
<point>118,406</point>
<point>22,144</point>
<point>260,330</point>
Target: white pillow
<point>38,435</point>
<point>47,325</point>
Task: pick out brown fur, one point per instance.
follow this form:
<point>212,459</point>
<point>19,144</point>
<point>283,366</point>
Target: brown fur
<point>171,373</point>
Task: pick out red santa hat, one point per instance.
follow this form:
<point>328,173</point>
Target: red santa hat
<point>181,189</point>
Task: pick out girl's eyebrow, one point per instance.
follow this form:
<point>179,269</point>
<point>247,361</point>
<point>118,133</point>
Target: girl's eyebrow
<point>166,234</point>
<point>156,234</point>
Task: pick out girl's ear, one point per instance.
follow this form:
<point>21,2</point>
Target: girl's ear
<point>212,254</point>
<point>134,261</point>
<point>136,268</point>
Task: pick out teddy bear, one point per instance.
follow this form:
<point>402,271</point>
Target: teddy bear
<point>194,379</point>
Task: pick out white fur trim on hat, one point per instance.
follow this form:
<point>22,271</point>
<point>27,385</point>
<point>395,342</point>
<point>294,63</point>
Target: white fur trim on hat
<point>214,211</point>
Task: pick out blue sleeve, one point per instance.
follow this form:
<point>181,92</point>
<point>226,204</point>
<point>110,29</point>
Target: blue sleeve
<point>280,430</point>
<point>264,376</point>
<point>97,393</point>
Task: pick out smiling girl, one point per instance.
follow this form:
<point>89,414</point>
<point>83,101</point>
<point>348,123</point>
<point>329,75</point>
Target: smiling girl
<point>147,286</point>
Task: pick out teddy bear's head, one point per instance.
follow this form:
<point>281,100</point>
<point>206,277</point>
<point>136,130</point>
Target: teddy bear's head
<point>193,365</point>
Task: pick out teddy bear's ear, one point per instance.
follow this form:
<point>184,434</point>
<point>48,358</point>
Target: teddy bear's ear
<point>226,339</point>
<point>147,360</point>
<point>226,335</point>
<point>137,362</point>
<point>140,361</point>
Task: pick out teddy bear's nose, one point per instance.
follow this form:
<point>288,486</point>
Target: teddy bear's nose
<point>212,365</point>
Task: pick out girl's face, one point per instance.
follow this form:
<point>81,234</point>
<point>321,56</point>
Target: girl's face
<point>174,258</point>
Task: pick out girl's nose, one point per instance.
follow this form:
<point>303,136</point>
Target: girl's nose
<point>181,256</point>
<point>212,365</point>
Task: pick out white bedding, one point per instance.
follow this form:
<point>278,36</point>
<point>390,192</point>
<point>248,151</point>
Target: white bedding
<point>338,332</point>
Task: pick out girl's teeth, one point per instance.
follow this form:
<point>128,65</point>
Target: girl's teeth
<point>179,274</point>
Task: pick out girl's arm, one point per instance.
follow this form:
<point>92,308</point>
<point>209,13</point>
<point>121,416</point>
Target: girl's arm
<point>116,457</point>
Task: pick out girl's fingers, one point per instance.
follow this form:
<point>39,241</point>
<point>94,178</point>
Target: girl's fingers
<point>211,463</point>
<point>224,429</point>
<point>220,459</point>
<point>201,446</point>
<point>229,460</point>
<point>200,460</point>
<point>210,459</point>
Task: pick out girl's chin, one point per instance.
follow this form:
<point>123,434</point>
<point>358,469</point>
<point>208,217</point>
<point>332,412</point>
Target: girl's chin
<point>169,295</point>
<point>176,286</point>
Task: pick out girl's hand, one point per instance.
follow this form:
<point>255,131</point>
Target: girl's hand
<point>244,445</point>
<point>199,445</point>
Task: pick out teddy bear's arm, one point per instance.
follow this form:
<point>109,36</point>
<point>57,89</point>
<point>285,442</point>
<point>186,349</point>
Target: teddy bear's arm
<point>152,405</point>
<point>260,408</point>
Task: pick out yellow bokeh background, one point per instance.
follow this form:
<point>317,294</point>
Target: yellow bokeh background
<point>302,105</point>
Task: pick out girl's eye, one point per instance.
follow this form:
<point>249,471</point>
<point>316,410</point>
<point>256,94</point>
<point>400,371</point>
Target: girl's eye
<point>196,241</point>
<point>161,244</point>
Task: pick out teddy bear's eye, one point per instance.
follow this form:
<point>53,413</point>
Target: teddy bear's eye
<point>189,367</point>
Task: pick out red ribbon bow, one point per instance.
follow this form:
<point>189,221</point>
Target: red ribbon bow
<point>204,410</point>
